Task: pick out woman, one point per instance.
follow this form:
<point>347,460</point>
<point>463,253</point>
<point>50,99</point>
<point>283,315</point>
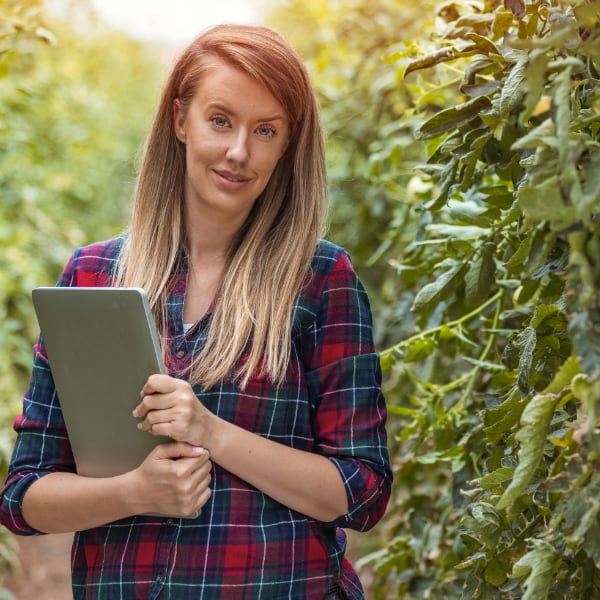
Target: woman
<point>273,395</point>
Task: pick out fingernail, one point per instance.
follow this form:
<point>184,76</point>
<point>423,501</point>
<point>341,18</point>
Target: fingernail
<point>139,425</point>
<point>198,450</point>
<point>135,413</point>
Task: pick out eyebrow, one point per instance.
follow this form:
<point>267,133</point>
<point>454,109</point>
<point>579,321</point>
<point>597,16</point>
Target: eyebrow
<point>220,106</point>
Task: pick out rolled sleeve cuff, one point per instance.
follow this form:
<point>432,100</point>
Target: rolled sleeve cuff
<point>11,508</point>
<point>367,494</point>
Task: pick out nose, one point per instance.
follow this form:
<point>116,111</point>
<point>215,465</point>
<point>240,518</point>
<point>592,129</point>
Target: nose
<point>238,150</point>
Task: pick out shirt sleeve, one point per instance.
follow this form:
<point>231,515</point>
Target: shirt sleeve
<point>344,379</point>
<point>42,445</point>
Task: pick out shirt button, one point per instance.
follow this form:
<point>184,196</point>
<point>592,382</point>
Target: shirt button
<point>170,521</point>
<point>158,578</point>
<point>180,353</point>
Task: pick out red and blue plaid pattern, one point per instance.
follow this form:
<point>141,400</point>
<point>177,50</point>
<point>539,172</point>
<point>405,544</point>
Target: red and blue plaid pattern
<point>244,545</point>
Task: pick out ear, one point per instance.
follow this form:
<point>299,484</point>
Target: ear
<point>179,121</point>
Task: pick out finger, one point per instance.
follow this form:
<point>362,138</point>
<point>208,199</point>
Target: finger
<point>204,497</point>
<point>178,450</point>
<point>154,402</point>
<point>162,428</point>
<point>159,383</point>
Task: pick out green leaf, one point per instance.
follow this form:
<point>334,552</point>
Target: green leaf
<point>480,278</point>
<point>441,456</point>
<point>518,259</point>
<point>495,573</point>
<point>496,478</point>
<point>432,292</point>
<point>459,232</point>
<point>447,180</point>
<point>533,84</point>
<point>535,423</point>
<point>419,350</point>
<point>543,134</point>
<point>562,105</point>
<point>513,91</point>
<point>439,56</point>
<point>483,44</point>
<point>543,202</point>
<point>500,420</point>
<point>536,566</point>
<point>451,118</point>
<point>470,212</point>
<point>483,519</point>
<point>527,339</point>
<point>543,312</point>
<point>387,362</point>
<point>590,200</point>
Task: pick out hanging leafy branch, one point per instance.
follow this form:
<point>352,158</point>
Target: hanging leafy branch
<point>497,389</point>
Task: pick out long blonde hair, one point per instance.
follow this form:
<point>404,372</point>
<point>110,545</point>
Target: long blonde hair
<point>271,257</point>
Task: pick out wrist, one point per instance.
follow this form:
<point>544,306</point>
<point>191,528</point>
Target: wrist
<point>216,429</point>
<point>129,493</point>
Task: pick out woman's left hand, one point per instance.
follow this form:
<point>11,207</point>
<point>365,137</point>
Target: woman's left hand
<point>170,407</point>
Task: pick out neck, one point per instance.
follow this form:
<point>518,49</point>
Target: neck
<point>209,239</point>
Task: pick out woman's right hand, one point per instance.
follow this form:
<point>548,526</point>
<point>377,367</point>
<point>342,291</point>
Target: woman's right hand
<point>173,480</point>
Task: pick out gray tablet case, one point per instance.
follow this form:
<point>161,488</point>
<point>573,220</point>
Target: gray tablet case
<point>102,346</point>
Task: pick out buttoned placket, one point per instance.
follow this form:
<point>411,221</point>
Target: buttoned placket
<point>164,556</point>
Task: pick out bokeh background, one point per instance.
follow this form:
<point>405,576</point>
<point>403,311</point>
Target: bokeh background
<point>463,142</point>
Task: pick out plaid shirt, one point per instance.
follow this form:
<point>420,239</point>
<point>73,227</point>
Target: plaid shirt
<point>244,544</point>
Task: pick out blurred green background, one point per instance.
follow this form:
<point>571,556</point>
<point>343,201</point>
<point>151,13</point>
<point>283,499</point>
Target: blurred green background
<point>464,161</point>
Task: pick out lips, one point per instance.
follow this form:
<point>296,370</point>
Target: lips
<point>233,177</point>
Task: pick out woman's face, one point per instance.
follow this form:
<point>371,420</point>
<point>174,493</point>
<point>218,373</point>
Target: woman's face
<point>234,131</point>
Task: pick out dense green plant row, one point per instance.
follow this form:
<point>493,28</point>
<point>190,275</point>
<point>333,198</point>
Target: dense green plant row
<point>498,480</point>
<point>486,278</point>
<point>73,111</point>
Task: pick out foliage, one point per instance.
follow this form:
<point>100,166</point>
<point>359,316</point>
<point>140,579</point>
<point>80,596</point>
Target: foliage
<point>362,99</point>
<point>498,388</point>
<point>73,111</point>
<point>485,268</point>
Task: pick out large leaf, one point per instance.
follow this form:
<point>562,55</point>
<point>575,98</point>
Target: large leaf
<point>479,279</point>
<point>451,118</point>
<point>537,566</point>
<point>432,292</point>
<point>513,90</point>
<point>439,56</point>
<point>459,232</point>
<point>535,422</point>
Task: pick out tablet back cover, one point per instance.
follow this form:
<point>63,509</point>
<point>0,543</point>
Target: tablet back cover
<point>102,345</point>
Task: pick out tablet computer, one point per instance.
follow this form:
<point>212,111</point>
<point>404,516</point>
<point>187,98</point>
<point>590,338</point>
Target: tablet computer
<point>102,345</point>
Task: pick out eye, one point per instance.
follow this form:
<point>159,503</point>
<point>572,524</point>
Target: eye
<point>219,121</point>
<point>266,131</point>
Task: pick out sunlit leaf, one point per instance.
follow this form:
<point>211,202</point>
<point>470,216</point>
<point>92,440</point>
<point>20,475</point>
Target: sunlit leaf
<point>419,350</point>
<point>481,275</point>
<point>512,90</point>
<point>536,567</point>
<point>431,292</point>
<point>496,478</point>
<point>562,105</point>
<point>535,422</point>
<point>439,56</point>
<point>460,232</point>
<point>450,118</point>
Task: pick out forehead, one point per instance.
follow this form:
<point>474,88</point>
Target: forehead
<point>226,85</point>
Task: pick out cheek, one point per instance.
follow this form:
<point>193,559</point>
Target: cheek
<point>268,162</point>
<point>202,150</point>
